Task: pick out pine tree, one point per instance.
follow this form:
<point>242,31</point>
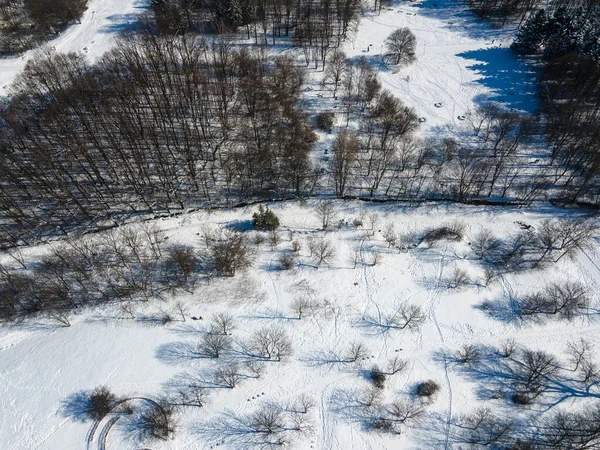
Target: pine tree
<point>532,34</point>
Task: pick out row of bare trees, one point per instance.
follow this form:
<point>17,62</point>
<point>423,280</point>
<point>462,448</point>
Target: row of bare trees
<point>316,26</point>
<point>125,266</point>
<point>160,123</point>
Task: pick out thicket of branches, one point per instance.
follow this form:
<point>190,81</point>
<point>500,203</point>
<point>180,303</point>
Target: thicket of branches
<point>27,23</point>
<point>316,26</point>
<point>159,123</point>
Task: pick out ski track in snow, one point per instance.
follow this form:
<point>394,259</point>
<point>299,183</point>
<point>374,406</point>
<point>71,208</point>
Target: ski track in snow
<point>124,354</point>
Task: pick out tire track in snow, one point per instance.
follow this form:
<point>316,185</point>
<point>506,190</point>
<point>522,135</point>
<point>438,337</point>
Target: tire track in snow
<point>434,302</point>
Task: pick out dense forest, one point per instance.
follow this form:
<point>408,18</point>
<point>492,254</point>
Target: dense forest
<point>178,117</point>
<point>25,24</point>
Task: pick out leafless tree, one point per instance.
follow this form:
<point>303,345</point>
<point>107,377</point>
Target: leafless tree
<point>469,354</point>
<point>396,365</point>
<point>271,343</point>
<point>356,352</point>
<point>459,278</point>
<point>401,46</point>
<point>322,250</point>
<point>484,242</point>
<point>228,375</point>
<point>230,253</point>
<point>326,212</point>
<point>222,323</point>
<point>300,305</point>
<point>101,402</point>
<point>214,345</point>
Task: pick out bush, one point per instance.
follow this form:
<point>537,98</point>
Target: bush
<point>184,259</point>
<point>157,422</point>
<point>230,254</point>
<point>427,388</point>
<point>450,232</point>
<point>265,219</point>
<point>469,354</point>
<point>325,121</point>
<point>521,398</point>
<point>377,377</point>
<point>286,261</point>
<point>101,402</point>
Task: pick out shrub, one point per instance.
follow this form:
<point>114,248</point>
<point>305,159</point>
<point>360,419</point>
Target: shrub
<point>325,121</point>
<point>157,421</point>
<point>230,254</point>
<point>427,388</point>
<point>469,354</point>
<point>265,219</point>
<point>450,232</point>
<point>377,377</point>
<point>286,261</point>
<point>101,402</point>
<point>184,259</point>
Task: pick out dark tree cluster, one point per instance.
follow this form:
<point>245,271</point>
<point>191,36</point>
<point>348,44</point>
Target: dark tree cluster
<point>27,23</point>
<point>159,124</point>
<point>499,11</point>
<point>316,26</point>
<point>568,38</point>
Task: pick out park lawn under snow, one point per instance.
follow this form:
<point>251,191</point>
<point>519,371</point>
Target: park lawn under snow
<point>461,63</point>
<point>44,366</point>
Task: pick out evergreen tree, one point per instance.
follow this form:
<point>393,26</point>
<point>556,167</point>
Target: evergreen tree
<point>532,34</point>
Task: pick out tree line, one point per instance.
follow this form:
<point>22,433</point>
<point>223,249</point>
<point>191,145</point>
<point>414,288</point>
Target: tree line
<point>158,123</point>
<point>568,40</point>
<point>25,24</point>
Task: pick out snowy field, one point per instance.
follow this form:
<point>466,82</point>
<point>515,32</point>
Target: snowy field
<point>44,368</point>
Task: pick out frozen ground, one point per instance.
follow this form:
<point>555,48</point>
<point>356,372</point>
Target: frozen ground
<point>44,367</point>
<point>461,63</point>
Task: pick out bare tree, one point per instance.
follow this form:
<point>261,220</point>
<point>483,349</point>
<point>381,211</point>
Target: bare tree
<point>469,354</point>
<point>484,242</point>
<point>322,250</point>
<point>157,421</point>
<point>214,345</point>
<point>101,402</point>
<point>396,365</point>
<point>342,163</point>
<point>326,212</point>
<point>458,279</point>
<point>271,343</point>
<point>401,46</point>
<point>228,375</point>
<point>184,258</point>
<point>356,351</point>
<point>222,323</point>
<point>300,305</point>
<point>230,253</point>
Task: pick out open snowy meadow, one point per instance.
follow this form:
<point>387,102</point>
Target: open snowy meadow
<point>353,325</point>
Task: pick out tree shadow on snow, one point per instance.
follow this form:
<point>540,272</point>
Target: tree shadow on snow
<point>76,406</point>
<point>512,81</point>
<point>459,18</point>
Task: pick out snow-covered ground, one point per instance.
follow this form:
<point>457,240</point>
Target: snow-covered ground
<point>101,22</point>
<point>44,367</point>
<point>461,63</point>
